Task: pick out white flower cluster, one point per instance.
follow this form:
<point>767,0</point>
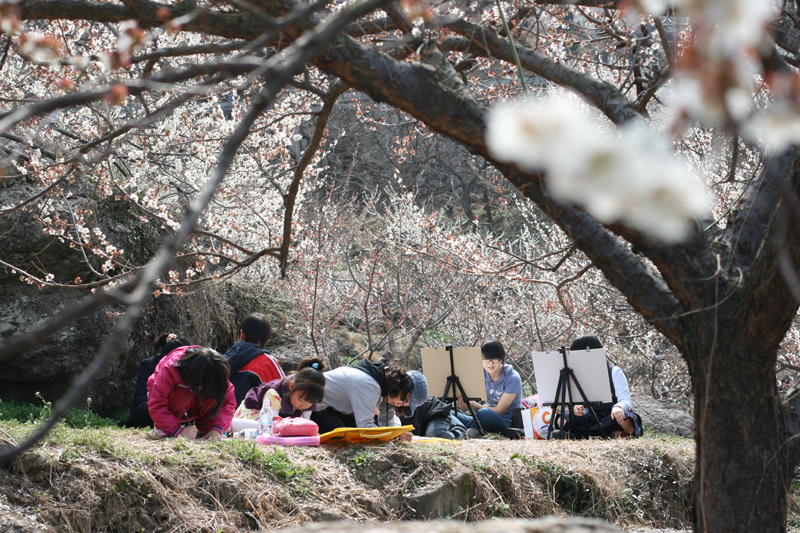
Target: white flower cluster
<point>632,177</point>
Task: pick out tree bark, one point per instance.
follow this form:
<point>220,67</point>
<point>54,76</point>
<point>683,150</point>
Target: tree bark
<point>743,466</point>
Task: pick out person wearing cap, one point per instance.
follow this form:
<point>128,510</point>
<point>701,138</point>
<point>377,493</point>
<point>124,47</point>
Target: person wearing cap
<point>503,393</point>
<point>616,418</point>
<point>353,396</point>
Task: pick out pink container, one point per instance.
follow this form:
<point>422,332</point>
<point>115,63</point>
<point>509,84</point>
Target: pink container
<point>289,441</point>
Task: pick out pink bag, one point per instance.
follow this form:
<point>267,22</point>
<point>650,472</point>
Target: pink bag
<point>295,427</point>
<point>289,441</point>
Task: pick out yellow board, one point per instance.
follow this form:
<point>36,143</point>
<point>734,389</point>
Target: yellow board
<point>360,435</point>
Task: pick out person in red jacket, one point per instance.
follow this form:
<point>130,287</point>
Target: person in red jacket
<point>190,395</point>
<point>251,365</point>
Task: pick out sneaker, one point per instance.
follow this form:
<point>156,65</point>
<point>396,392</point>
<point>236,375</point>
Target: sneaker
<point>558,434</point>
<point>473,433</point>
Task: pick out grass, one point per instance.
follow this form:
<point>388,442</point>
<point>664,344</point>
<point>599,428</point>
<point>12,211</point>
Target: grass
<point>270,458</point>
<point>75,418</point>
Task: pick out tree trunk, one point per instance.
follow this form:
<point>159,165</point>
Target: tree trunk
<point>740,437</point>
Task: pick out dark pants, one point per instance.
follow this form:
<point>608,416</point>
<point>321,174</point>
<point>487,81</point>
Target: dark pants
<point>329,419</point>
<point>139,418</point>
<point>585,426</point>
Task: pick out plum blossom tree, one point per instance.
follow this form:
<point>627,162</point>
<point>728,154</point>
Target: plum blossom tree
<point>210,118</point>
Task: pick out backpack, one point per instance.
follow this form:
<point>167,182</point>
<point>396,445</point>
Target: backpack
<point>242,382</point>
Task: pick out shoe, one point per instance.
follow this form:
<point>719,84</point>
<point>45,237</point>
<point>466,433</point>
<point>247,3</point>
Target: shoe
<point>558,434</point>
<point>473,433</point>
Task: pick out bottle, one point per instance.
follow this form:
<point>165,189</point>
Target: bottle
<point>265,418</point>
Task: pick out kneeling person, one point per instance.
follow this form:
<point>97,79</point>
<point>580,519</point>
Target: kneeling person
<point>353,394</point>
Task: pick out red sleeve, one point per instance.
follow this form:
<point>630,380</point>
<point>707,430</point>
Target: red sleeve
<point>266,367</point>
<point>223,419</point>
<point>161,384</point>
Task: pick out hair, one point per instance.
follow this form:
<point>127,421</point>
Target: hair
<point>398,382</point>
<point>588,341</point>
<point>166,342</point>
<point>256,329</point>
<point>493,349</point>
<point>309,379</point>
<point>206,372</point>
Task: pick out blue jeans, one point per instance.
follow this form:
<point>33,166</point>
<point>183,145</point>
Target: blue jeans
<point>490,421</point>
<point>446,428</point>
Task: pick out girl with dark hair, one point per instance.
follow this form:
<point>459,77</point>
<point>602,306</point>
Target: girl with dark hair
<point>251,365</point>
<point>353,394</point>
<point>617,418</point>
<point>190,394</point>
<point>298,393</point>
<point>139,416</point>
<point>503,393</point>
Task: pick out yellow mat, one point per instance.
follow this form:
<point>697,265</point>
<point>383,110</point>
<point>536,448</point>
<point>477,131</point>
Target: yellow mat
<point>357,435</point>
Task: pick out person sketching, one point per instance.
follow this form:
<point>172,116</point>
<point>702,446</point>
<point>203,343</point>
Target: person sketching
<point>189,394</point>
<point>616,418</point>
<point>369,395</point>
<point>164,344</point>
<point>503,393</point>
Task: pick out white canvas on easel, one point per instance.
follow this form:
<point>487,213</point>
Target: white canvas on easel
<point>589,367</point>
<point>468,368</point>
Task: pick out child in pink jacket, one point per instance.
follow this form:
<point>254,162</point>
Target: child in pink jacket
<point>190,395</point>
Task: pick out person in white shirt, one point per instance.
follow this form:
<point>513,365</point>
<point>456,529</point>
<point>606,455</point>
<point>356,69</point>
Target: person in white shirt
<point>617,418</point>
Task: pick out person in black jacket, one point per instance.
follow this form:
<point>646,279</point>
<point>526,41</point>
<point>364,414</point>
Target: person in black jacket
<point>434,419</point>
<point>140,416</point>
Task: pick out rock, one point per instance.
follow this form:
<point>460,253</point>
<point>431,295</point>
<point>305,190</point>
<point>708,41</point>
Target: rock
<point>402,458</point>
<point>208,318</point>
<point>663,417</point>
<point>229,494</point>
<point>323,515</point>
<point>32,461</point>
<point>444,500</point>
<point>370,477</point>
<point>543,525</point>
<point>381,464</point>
<point>371,506</point>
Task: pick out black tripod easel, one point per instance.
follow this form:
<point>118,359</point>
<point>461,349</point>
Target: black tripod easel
<point>453,381</point>
<point>564,389</point>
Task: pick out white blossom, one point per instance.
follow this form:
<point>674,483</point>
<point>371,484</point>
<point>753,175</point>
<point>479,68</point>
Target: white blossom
<point>775,128</point>
<point>632,177</point>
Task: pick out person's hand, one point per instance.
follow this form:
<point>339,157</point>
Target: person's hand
<point>189,432</point>
<point>461,404</point>
<point>618,414</point>
<point>476,406</point>
<point>406,437</point>
<point>579,410</point>
<point>213,434</point>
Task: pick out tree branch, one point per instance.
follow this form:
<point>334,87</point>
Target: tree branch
<point>486,42</point>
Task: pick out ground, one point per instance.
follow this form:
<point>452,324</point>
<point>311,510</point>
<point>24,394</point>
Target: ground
<point>126,480</point>
<point>111,479</point>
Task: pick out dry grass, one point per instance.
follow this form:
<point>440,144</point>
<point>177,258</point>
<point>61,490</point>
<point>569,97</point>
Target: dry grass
<point>124,480</point>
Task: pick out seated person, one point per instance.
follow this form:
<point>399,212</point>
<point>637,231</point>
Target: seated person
<point>297,395</point>
<point>250,363</point>
<point>434,418</point>
<point>140,416</point>
<point>352,395</point>
<point>617,418</point>
<point>503,393</point>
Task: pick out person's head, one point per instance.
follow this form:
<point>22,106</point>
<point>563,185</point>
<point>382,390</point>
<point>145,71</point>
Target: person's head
<point>589,342</point>
<point>398,384</point>
<point>256,329</point>
<point>307,385</point>
<point>406,390</point>
<point>206,372</point>
<point>493,355</point>
<point>166,342</point>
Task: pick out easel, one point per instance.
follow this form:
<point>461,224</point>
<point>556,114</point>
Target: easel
<point>453,381</point>
<point>565,378</point>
